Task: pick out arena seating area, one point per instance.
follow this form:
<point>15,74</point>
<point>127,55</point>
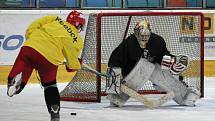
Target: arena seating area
<point>107,4</point>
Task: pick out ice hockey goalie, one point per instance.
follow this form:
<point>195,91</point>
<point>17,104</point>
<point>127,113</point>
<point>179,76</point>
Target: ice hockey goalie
<point>143,56</point>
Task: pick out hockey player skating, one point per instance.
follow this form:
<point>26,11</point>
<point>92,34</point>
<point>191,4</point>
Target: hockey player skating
<point>50,40</point>
<point>143,56</point>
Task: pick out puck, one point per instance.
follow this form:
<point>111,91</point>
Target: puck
<point>73,114</point>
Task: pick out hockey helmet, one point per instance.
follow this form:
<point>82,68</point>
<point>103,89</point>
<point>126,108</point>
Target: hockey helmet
<point>142,30</point>
<point>76,19</point>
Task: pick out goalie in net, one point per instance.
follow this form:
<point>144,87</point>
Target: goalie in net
<point>50,39</point>
<point>144,56</point>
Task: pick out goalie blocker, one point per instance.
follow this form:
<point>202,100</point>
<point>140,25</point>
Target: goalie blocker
<point>140,74</point>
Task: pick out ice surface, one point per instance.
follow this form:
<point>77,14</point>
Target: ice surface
<point>29,105</point>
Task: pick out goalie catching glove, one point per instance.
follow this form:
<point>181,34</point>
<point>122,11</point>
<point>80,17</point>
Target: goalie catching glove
<point>176,65</point>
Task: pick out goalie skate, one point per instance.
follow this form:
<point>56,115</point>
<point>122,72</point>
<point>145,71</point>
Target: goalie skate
<point>192,96</point>
<point>117,100</point>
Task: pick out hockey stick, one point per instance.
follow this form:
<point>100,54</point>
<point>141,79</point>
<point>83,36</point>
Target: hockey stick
<point>85,67</point>
<point>90,69</point>
<point>148,103</point>
<point>134,94</point>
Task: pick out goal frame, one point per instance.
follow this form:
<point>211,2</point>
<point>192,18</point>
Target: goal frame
<point>98,52</point>
<point>98,48</point>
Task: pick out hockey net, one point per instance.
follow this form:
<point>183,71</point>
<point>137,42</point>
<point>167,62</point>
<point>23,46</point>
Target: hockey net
<point>183,33</point>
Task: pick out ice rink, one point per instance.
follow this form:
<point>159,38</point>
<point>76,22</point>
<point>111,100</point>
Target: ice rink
<point>30,106</point>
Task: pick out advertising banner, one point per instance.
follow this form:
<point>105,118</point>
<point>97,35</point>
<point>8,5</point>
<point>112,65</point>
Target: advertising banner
<point>12,32</point>
<point>14,24</point>
<point>209,41</point>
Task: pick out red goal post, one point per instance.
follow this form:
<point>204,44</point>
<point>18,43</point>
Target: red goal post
<point>182,31</point>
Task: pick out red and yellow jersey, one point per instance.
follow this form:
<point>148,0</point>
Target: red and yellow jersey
<point>56,40</point>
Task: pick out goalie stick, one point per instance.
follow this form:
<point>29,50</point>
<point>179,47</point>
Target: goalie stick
<point>148,103</point>
<point>132,93</point>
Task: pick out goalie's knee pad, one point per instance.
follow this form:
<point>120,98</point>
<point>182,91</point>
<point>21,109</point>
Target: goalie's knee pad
<point>191,97</point>
<point>140,74</point>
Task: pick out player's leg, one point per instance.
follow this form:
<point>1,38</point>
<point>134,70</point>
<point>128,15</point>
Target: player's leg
<point>20,72</point>
<point>52,99</point>
<point>47,72</point>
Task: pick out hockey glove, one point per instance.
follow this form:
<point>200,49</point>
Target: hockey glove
<point>70,70</point>
<point>180,65</point>
<point>166,62</point>
<point>73,70</point>
<point>176,65</point>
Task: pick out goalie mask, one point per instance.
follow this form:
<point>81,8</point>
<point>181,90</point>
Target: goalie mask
<point>76,19</point>
<point>142,32</point>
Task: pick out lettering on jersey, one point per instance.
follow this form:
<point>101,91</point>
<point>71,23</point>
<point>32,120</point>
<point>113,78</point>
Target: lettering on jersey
<point>69,30</point>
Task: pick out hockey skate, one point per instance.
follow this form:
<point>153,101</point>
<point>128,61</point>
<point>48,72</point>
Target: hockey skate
<point>55,115</point>
<point>113,105</point>
<point>14,85</point>
<point>117,100</point>
<point>192,96</point>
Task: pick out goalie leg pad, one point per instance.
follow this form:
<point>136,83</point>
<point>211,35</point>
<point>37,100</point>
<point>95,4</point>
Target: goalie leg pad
<point>134,81</point>
<point>139,75</point>
<point>166,81</point>
<point>115,95</point>
<point>113,80</point>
